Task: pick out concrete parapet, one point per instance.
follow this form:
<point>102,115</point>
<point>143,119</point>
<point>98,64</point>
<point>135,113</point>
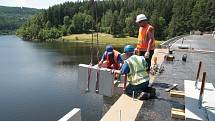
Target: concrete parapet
<point>74,115</point>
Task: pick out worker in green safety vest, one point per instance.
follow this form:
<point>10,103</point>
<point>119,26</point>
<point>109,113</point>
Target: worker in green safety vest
<point>136,69</point>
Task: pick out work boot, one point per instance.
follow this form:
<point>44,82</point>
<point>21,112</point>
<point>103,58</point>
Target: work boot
<point>152,93</point>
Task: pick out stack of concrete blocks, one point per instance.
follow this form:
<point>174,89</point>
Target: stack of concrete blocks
<point>105,84</point>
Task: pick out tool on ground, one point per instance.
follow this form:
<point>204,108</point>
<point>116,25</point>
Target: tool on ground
<point>170,58</point>
<point>184,57</point>
<point>171,87</point>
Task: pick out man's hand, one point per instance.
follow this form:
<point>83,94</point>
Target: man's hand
<point>146,55</point>
<point>136,52</point>
<point>113,71</point>
<point>100,64</point>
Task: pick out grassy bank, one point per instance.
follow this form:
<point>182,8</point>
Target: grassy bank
<point>103,39</point>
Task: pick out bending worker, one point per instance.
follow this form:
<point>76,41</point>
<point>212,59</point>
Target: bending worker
<point>135,67</point>
<point>111,59</point>
<point>146,40</point>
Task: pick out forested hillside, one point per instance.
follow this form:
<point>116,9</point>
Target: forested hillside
<point>117,17</point>
<point>11,18</point>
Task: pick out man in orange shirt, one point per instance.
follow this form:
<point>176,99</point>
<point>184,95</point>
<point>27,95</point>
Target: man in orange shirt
<point>146,39</point>
<point>111,59</point>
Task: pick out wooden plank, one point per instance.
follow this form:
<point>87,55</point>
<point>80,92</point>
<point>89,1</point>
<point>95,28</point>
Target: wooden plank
<point>177,113</point>
<point>179,94</point>
<point>124,109</point>
<point>177,109</point>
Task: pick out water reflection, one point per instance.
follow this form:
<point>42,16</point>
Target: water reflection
<point>39,81</point>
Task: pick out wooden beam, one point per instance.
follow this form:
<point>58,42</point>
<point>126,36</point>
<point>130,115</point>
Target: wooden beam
<point>199,68</point>
<point>177,113</point>
<point>202,89</point>
<point>203,84</point>
<point>179,94</point>
<point>124,109</point>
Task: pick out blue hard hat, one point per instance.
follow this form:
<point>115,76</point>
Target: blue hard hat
<point>109,49</point>
<point>129,49</point>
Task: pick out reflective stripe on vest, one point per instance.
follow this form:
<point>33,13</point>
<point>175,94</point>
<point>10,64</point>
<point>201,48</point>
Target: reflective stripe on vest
<point>143,39</point>
<point>116,65</point>
<point>137,66</point>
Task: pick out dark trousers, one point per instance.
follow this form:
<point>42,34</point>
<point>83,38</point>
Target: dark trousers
<point>136,88</point>
<point>148,60</point>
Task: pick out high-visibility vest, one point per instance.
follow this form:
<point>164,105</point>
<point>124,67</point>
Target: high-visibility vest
<point>116,65</point>
<point>137,73</point>
<point>143,38</point>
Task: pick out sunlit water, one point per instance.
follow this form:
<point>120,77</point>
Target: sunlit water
<point>39,81</point>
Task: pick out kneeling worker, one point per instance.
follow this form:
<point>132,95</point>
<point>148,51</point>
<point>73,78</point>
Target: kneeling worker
<point>111,59</point>
<point>136,69</point>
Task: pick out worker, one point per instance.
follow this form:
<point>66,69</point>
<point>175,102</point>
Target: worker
<point>136,69</point>
<point>111,59</point>
<point>146,39</point>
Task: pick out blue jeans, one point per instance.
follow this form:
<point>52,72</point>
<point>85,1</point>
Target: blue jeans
<point>136,88</point>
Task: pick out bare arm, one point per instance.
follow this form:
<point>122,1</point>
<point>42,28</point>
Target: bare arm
<point>151,36</point>
<point>116,71</point>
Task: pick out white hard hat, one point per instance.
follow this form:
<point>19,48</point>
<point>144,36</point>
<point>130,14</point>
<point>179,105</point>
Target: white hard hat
<point>140,17</point>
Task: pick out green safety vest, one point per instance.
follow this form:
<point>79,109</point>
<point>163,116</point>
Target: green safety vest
<point>123,56</point>
<point>137,66</point>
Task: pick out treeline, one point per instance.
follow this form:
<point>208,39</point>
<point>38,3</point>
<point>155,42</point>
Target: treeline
<point>11,18</point>
<point>117,17</point>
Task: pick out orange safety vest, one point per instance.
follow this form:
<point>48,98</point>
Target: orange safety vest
<point>116,65</point>
<point>143,39</point>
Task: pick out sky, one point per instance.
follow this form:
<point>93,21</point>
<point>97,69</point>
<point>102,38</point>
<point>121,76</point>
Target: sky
<point>32,3</point>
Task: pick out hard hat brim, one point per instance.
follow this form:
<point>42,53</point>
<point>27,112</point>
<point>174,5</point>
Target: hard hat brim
<point>109,53</point>
<point>137,21</point>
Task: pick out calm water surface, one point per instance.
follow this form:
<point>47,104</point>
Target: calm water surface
<point>38,81</point>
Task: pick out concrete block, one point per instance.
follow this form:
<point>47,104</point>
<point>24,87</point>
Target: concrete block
<point>74,115</point>
<point>106,83</point>
<point>92,85</point>
<point>192,110</point>
<point>105,78</point>
<point>124,109</point>
<point>83,77</point>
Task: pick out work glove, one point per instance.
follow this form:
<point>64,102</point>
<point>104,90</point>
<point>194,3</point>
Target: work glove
<point>146,55</point>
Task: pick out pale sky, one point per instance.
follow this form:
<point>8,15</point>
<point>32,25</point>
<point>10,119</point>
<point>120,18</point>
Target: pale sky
<point>32,3</point>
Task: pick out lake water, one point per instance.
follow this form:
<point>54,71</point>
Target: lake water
<point>39,81</point>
